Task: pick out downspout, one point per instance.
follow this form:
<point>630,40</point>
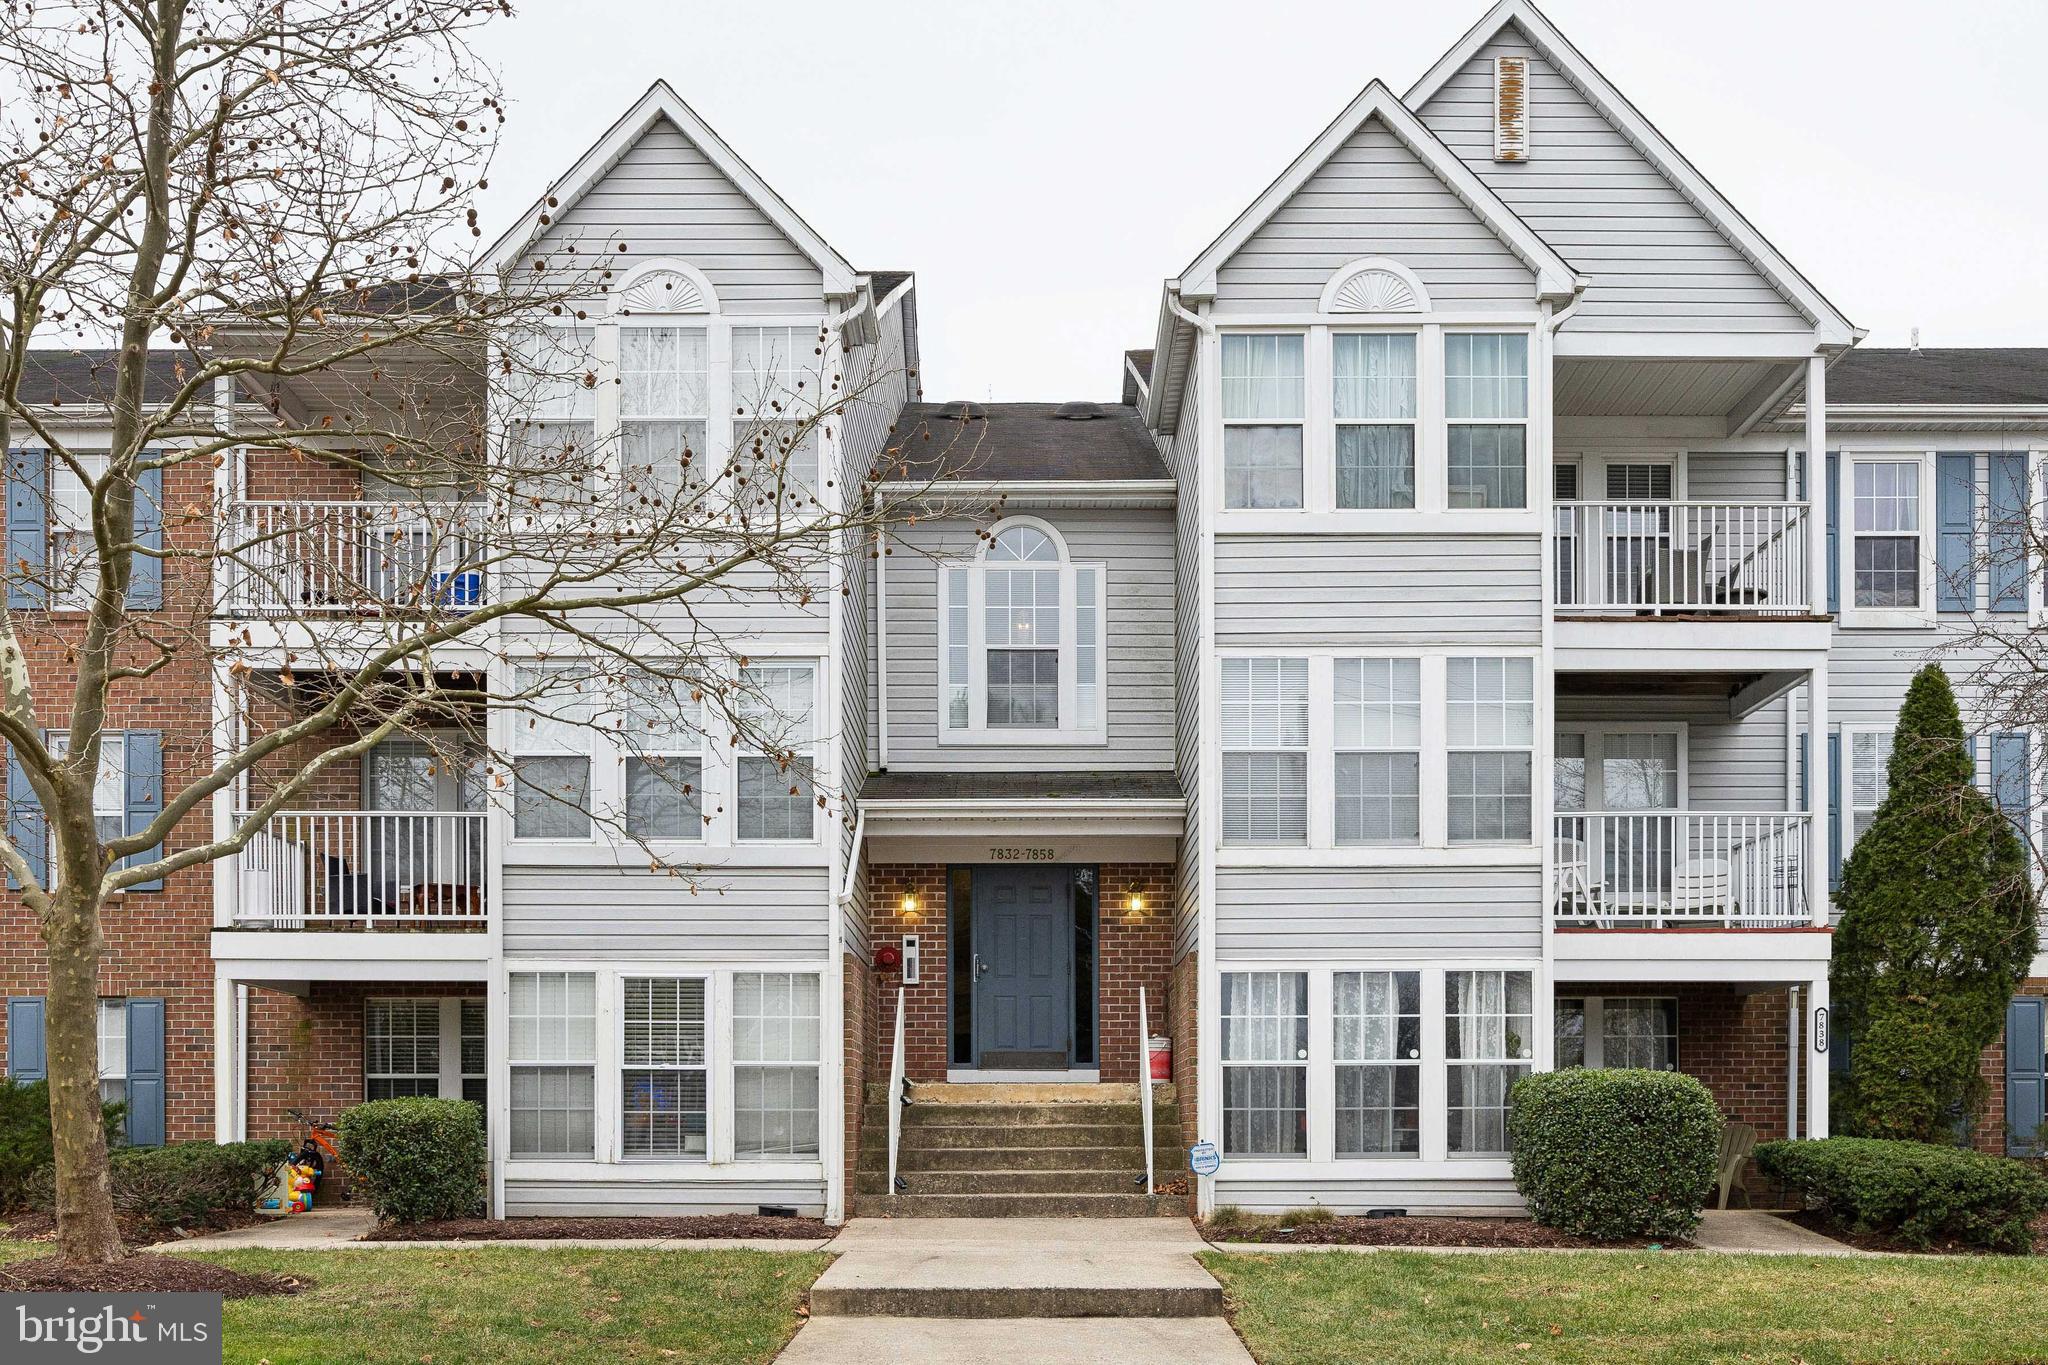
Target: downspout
<point>882,638</point>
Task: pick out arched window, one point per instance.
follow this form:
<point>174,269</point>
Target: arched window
<point>1022,641</point>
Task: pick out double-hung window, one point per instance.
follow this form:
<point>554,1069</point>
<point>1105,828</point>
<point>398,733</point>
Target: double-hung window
<point>775,1050</point>
<point>1378,767</point>
<point>1870,754</point>
<point>1373,403</point>
<point>1265,751</point>
<point>474,1032</point>
<point>1885,506</point>
<point>552,740</point>
<point>553,1056</point>
<point>776,792</point>
<point>1377,1037</point>
<point>1486,410</point>
<point>1488,1021</point>
<point>109,782</point>
<point>113,1051</point>
<point>1264,383</point>
<point>401,1049</point>
<point>662,743</point>
<point>1618,1031</point>
<point>1490,732</point>
<point>552,425</point>
<point>1022,641</point>
<point>74,554</point>
<point>1265,1063</point>
<point>776,379</point>
<point>664,407</point>
<point>664,1080</point>
<point>1021,629</point>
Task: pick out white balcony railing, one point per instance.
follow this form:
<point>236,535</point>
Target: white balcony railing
<point>363,869</point>
<point>342,558</point>
<point>1667,868</point>
<point>1634,558</point>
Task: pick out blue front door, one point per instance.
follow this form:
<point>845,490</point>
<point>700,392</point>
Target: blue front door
<point>1024,967</point>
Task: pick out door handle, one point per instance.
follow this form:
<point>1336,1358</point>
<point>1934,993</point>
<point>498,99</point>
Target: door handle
<point>979,967</point>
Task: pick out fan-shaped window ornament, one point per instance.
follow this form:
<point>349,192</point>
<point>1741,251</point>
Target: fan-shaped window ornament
<point>1375,286</point>
<point>666,287</point>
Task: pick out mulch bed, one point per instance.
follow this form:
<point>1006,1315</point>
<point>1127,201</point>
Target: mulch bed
<point>152,1274</point>
<point>42,1227</point>
<point>499,1230</point>
<point>1505,1233</point>
<point>1815,1221</point>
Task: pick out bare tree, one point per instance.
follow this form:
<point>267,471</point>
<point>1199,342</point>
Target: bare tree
<point>280,197</point>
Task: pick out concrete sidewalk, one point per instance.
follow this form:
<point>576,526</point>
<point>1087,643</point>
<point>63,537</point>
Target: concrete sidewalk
<point>1007,1341</point>
<point>1752,1231</point>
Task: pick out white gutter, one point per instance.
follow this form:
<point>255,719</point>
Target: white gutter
<point>972,489</point>
<point>860,834</point>
<point>882,638</point>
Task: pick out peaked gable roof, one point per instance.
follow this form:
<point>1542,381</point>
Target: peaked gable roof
<point>1555,278</point>
<point>659,103</point>
<point>1571,64</point>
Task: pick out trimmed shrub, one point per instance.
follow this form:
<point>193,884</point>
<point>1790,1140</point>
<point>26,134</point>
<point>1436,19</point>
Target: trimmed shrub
<point>187,1184</point>
<point>1615,1154</point>
<point>1917,1192</point>
<point>417,1159</point>
<point>25,1137</point>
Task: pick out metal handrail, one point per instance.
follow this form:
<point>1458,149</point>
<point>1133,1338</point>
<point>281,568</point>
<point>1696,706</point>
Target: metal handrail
<point>1145,1084</point>
<point>896,1080</point>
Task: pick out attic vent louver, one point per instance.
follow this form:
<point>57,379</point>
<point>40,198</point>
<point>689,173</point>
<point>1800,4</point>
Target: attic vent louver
<point>1510,108</point>
<point>1078,412</point>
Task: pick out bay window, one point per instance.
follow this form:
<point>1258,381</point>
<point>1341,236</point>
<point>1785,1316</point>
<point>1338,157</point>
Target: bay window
<point>1373,404</point>
<point>1377,1047</point>
<point>776,793</point>
<point>1265,751</point>
<point>664,406</point>
<point>1021,642</point>
<point>664,1085</point>
<point>552,1049</point>
<point>776,1043</point>
<point>1490,729</point>
<point>1486,410</point>
<point>1378,768</point>
<point>1885,507</point>
<point>1265,1064</point>
<point>1489,1021</point>
<point>1264,383</point>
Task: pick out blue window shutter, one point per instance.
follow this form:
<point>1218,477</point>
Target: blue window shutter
<point>1955,522</point>
<point>146,572</point>
<point>146,1072</point>
<point>27,830</point>
<point>2009,770</point>
<point>28,527</point>
<point>2008,548</point>
<point>2026,1087</point>
<point>25,1038</point>
<point>1834,501</point>
<point>145,794</point>
<point>1834,810</point>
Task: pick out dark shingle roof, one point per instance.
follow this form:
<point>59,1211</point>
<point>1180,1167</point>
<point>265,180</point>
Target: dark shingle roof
<point>86,375</point>
<point>1953,375</point>
<point>1024,441</point>
<point>959,786</point>
<point>1142,362</point>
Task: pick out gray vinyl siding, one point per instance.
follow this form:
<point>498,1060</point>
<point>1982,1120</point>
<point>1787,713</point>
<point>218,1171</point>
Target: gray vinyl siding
<point>1184,457</point>
<point>602,1198</point>
<point>736,915</point>
<point>1731,765</point>
<point>748,603</point>
<point>1136,549</point>
<point>1654,261</point>
<point>1373,197</point>
<point>1746,477</point>
<point>1434,1197</point>
<point>664,198</point>
<point>1441,590</point>
<point>1423,913</point>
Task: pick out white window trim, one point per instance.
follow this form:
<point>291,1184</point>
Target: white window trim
<point>815,750</point>
<point>1595,731</point>
<point>2037,574</point>
<point>1434,1160</point>
<point>1319,511</point>
<point>1853,617</point>
<point>979,734</point>
<point>720,1165</point>
<point>451,1075</point>
<point>1595,1038</point>
<point>1416,425</point>
<point>1435,850</point>
<point>1846,775</point>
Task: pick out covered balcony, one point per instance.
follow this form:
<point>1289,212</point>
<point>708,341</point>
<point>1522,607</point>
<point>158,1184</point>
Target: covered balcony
<point>364,870</point>
<point>1673,869</point>
<point>1659,558</point>
<point>298,559</point>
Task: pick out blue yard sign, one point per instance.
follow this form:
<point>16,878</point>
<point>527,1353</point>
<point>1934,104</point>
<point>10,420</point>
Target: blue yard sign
<point>1203,1158</point>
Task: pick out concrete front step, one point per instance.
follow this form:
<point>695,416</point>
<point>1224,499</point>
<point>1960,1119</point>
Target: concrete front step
<point>939,1136</point>
<point>874,1156</point>
<point>1135,1301</point>
<point>1114,1180</point>
<point>1021,1206</point>
<point>1021,1092</point>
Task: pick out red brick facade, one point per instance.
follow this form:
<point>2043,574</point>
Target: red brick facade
<point>857,1000</point>
<point>1184,1002</point>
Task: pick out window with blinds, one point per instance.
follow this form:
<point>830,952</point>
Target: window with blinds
<point>663,1080</point>
<point>1638,482</point>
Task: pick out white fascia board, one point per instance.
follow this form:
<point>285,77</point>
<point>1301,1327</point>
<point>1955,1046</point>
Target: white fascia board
<point>1556,281</point>
<point>662,102</point>
<point>1830,326</point>
<point>1114,492</point>
<point>1162,401</point>
<point>1714,955</point>
<point>900,809</point>
<point>1756,346</point>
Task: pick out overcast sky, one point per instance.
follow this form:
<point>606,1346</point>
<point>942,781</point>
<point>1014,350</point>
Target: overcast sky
<point>1044,166</point>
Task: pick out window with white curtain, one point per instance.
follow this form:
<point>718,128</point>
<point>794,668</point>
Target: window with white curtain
<point>1265,751</point>
<point>1264,386</point>
<point>1489,1017</point>
<point>1373,404</point>
<point>776,791</point>
<point>552,742</point>
<point>775,1050</point>
<point>1378,768</point>
<point>1265,1064</point>
<point>552,401</point>
<point>552,1049</point>
<point>1617,1031</point>
<point>777,375</point>
<point>662,747</point>
<point>664,1077</point>
<point>401,1049</point>
<point>664,408</point>
<point>1885,506</point>
<point>109,783</point>
<point>1490,730</point>
<point>1870,755</point>
<point>1377,1048</point>
<point>1486,409</point>
<point>1021,640</point>
<point>113,1051</point>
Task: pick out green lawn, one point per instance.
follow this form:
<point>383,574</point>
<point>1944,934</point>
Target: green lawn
<point>1688,1306</point>
<point>510,1305</point>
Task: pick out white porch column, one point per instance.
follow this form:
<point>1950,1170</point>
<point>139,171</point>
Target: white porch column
<point>1816,1062</point>
<point>227,1065</point>
<point>1792,1048</point>
<point>1820,786</point>
<point>1816,483</point>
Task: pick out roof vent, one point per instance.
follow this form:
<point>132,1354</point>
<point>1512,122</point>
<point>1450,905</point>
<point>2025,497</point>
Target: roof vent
<point>1510,108</point>
<point>1078,412</point>
<point>962,411</point>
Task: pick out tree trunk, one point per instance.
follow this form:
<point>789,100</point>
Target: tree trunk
<point>85,1200</point>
